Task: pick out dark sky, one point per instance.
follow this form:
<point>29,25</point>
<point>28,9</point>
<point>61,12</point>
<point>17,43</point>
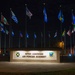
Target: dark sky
<point>36,24</point>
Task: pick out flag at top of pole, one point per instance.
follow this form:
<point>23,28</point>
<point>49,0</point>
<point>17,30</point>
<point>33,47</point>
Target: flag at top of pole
<point>60,16</point>
<point>28,13</point>
<point>35,36</point>
<point>21,34</point>
<point>63,34</point>
<point>69,33</point>
<point>55,35</point>
<point>1,25</point>
<point>4,20</point>
<point>13,16</point>
<point>45,15</point>
<point>27,35</point>
<point>73,22</point>
<point>12,33</point>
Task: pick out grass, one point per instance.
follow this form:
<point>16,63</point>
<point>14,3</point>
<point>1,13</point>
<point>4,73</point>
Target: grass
<point>63,72</point>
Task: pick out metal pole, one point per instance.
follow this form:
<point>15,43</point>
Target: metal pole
<point>41,39</point>
<point>5,42</point>
<point>0,38</point>
<point>19,40</point>
<point>25,28</point>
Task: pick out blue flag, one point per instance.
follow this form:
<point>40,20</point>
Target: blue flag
<point>60,16</point>
<point>21,34</point>
<point>2,30</point>
<point>27,36</point>
<point>12,33</point>
<point>45,15</point>
<point>14,17</point>
<point>73,19</point>
<point>35,36</point>
<point>1,25</point>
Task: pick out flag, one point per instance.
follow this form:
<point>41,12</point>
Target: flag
<point>1,25</point>
<point>73,30</point>
<point>69,33</point>
<point>2,30</point>
<point>63,34</point>
<point>21,34</point>
<point>6,31</point>
<point>60,16</point>
<point>73,21</point>
<point>28,13</point>
<point>45,15</point>
<point>13,16</point>
<point>55,34</point>
<point>49,35</point>
<point>35,36</point>
<point>4,20</point>
<point>27,36</point>
<point>12,33</point>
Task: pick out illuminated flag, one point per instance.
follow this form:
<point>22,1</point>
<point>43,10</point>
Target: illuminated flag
<point>4,20</point>
<point>73,30</point>
<point>1,25</point>
<point>63,34</point>
<point>27,36</point>
<point>60,16</point>
<point>49,35</point>
<point>21,34</point>
<point>35,36</point>
<point>45,15</point>
<point>69,33</point>
<point>6,31</point>
<point>28,13</point>
<point>12,33</point>
<point>73,21</point>
<point>2,30</point>
<point>55,34</point>
<point>14,17</point>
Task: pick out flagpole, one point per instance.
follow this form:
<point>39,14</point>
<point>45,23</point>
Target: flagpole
<point>41,39</point>
<point>65,42</point>
<point>34,42</point>
<point>0,38</point>
<point>10,31</point>
<point>73,33</point>
<point>12,39</point>
<point>70,42</point>
<point>25,28</point>
<point>61,28</point>
<point>49,39</point>
<point>19,39</point>
<point>5,42</point>
<point>44,31</point>
<point>73,40</point>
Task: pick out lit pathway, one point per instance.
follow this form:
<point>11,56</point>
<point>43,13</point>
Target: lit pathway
<point>33,66</point>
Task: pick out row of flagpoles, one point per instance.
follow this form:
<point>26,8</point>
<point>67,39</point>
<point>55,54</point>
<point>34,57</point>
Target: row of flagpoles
<point>29,14</point>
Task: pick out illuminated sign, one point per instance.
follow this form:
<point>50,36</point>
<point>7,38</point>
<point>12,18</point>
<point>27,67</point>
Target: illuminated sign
<point>34,55</point>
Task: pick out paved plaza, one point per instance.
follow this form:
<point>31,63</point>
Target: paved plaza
<point>34,66</point>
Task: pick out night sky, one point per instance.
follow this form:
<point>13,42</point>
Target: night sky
<point>36,23</point>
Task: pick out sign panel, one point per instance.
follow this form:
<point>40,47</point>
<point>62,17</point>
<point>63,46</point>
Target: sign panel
<point>35,55</point>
